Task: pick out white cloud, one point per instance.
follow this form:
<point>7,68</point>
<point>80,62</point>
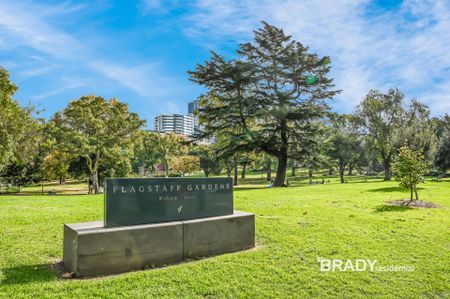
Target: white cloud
<point>370,47</point>
<point>66,84</point>
<point>146,80</point>
<point>27,24</point>
<point>157,6</point>
<point>42,69</point>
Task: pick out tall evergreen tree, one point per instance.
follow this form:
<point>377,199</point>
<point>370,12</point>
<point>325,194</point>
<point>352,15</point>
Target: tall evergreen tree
<point>270,100</point>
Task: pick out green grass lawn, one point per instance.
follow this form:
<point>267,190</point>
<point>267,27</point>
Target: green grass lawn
<point>294,227</point>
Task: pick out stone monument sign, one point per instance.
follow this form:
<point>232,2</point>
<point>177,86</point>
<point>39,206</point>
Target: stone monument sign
<point>157,221</point>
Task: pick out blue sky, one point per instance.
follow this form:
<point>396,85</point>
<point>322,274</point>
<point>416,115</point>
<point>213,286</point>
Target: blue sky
<point>140,51</point>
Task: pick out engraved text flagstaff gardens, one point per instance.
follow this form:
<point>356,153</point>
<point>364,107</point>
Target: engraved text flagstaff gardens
<point>150,200</point>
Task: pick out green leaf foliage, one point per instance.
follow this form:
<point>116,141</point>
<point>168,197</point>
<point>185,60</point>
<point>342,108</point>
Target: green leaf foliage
<point>262,100</point>
<point>410,168</point>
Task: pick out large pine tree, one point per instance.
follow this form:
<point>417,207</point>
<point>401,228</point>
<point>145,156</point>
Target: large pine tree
<point>270,99</point>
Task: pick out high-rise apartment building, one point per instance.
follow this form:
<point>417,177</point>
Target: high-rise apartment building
<point>175,123</point>
<point>179,123</point>
<point>189,124</point>
<point>193,106</point>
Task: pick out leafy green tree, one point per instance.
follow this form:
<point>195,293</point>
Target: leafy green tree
<point>8,113</point>
<point>228,161</point>
<point>20,132</point>
<point>224,149</point>
<point>119,166</point>
<point>418,129</point>
<point>78,168</point>
<point>168,146</point>
<point>268,168</point>
<point>245,161</point>
<point>266,100</point>
<point>56,165</point>
<point>314,160</point>
<point>441,125</point>
<point>410,168</point>
<point>380,115</point>
<point>146,153</point>
<point>183,165</point>
<point>387,124</point>
<point>101,131</point>
<point>442,157</point>
<point>209,162</point>
<point>345,146</point>
<point>263,162</point>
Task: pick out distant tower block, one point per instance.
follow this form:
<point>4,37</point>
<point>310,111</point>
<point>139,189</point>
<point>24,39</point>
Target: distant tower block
<point>193,106</point>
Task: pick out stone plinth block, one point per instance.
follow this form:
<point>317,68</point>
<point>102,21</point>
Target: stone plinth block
<point>90,249</point>
<point>216,235</point>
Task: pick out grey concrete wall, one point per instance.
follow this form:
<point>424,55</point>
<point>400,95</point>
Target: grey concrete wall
<point>216,235</point>
<point>70,248</point>
<point>92,250</point>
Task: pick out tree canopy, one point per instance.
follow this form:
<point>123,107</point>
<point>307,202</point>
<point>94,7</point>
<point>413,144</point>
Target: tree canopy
<point>264,101</point>
<point>410,168</point>
<point>101,131</point>
<point>20,132</point>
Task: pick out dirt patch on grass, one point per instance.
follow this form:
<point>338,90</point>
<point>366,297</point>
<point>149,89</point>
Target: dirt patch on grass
<point>412,204</point>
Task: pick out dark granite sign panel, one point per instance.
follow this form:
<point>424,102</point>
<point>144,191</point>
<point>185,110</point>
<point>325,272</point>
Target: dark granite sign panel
<point>133,201</point>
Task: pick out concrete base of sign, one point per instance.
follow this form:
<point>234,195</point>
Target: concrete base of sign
<point>92,250</point>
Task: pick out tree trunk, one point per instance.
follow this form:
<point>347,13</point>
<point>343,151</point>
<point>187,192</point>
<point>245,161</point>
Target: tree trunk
<point>235,179</point>
<point>152,171</point>
<point>294,171</point>
<point>229,171</point>
<point>415,191</point>
<point>244,170</point>
<point>281,171</point>
<point>341,174</point>
<point>350,169</point>
<point>269,170</point>
<point>330,171</point>
<point>95,182</point>
<point>310,173</point>
<point>411,194</point>
<point>387,170</point>
<point>166,169</point>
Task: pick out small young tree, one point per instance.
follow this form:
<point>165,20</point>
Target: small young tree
<point>409,169</point>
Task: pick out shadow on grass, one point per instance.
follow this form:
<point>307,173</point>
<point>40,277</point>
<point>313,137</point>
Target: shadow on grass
<point>294,185</point>
<point>389,208</point>
<point>237,189</point>
<point>25,274</point>
<point>28,274</point>
<point>392,189</point>
<point>38,194</point>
